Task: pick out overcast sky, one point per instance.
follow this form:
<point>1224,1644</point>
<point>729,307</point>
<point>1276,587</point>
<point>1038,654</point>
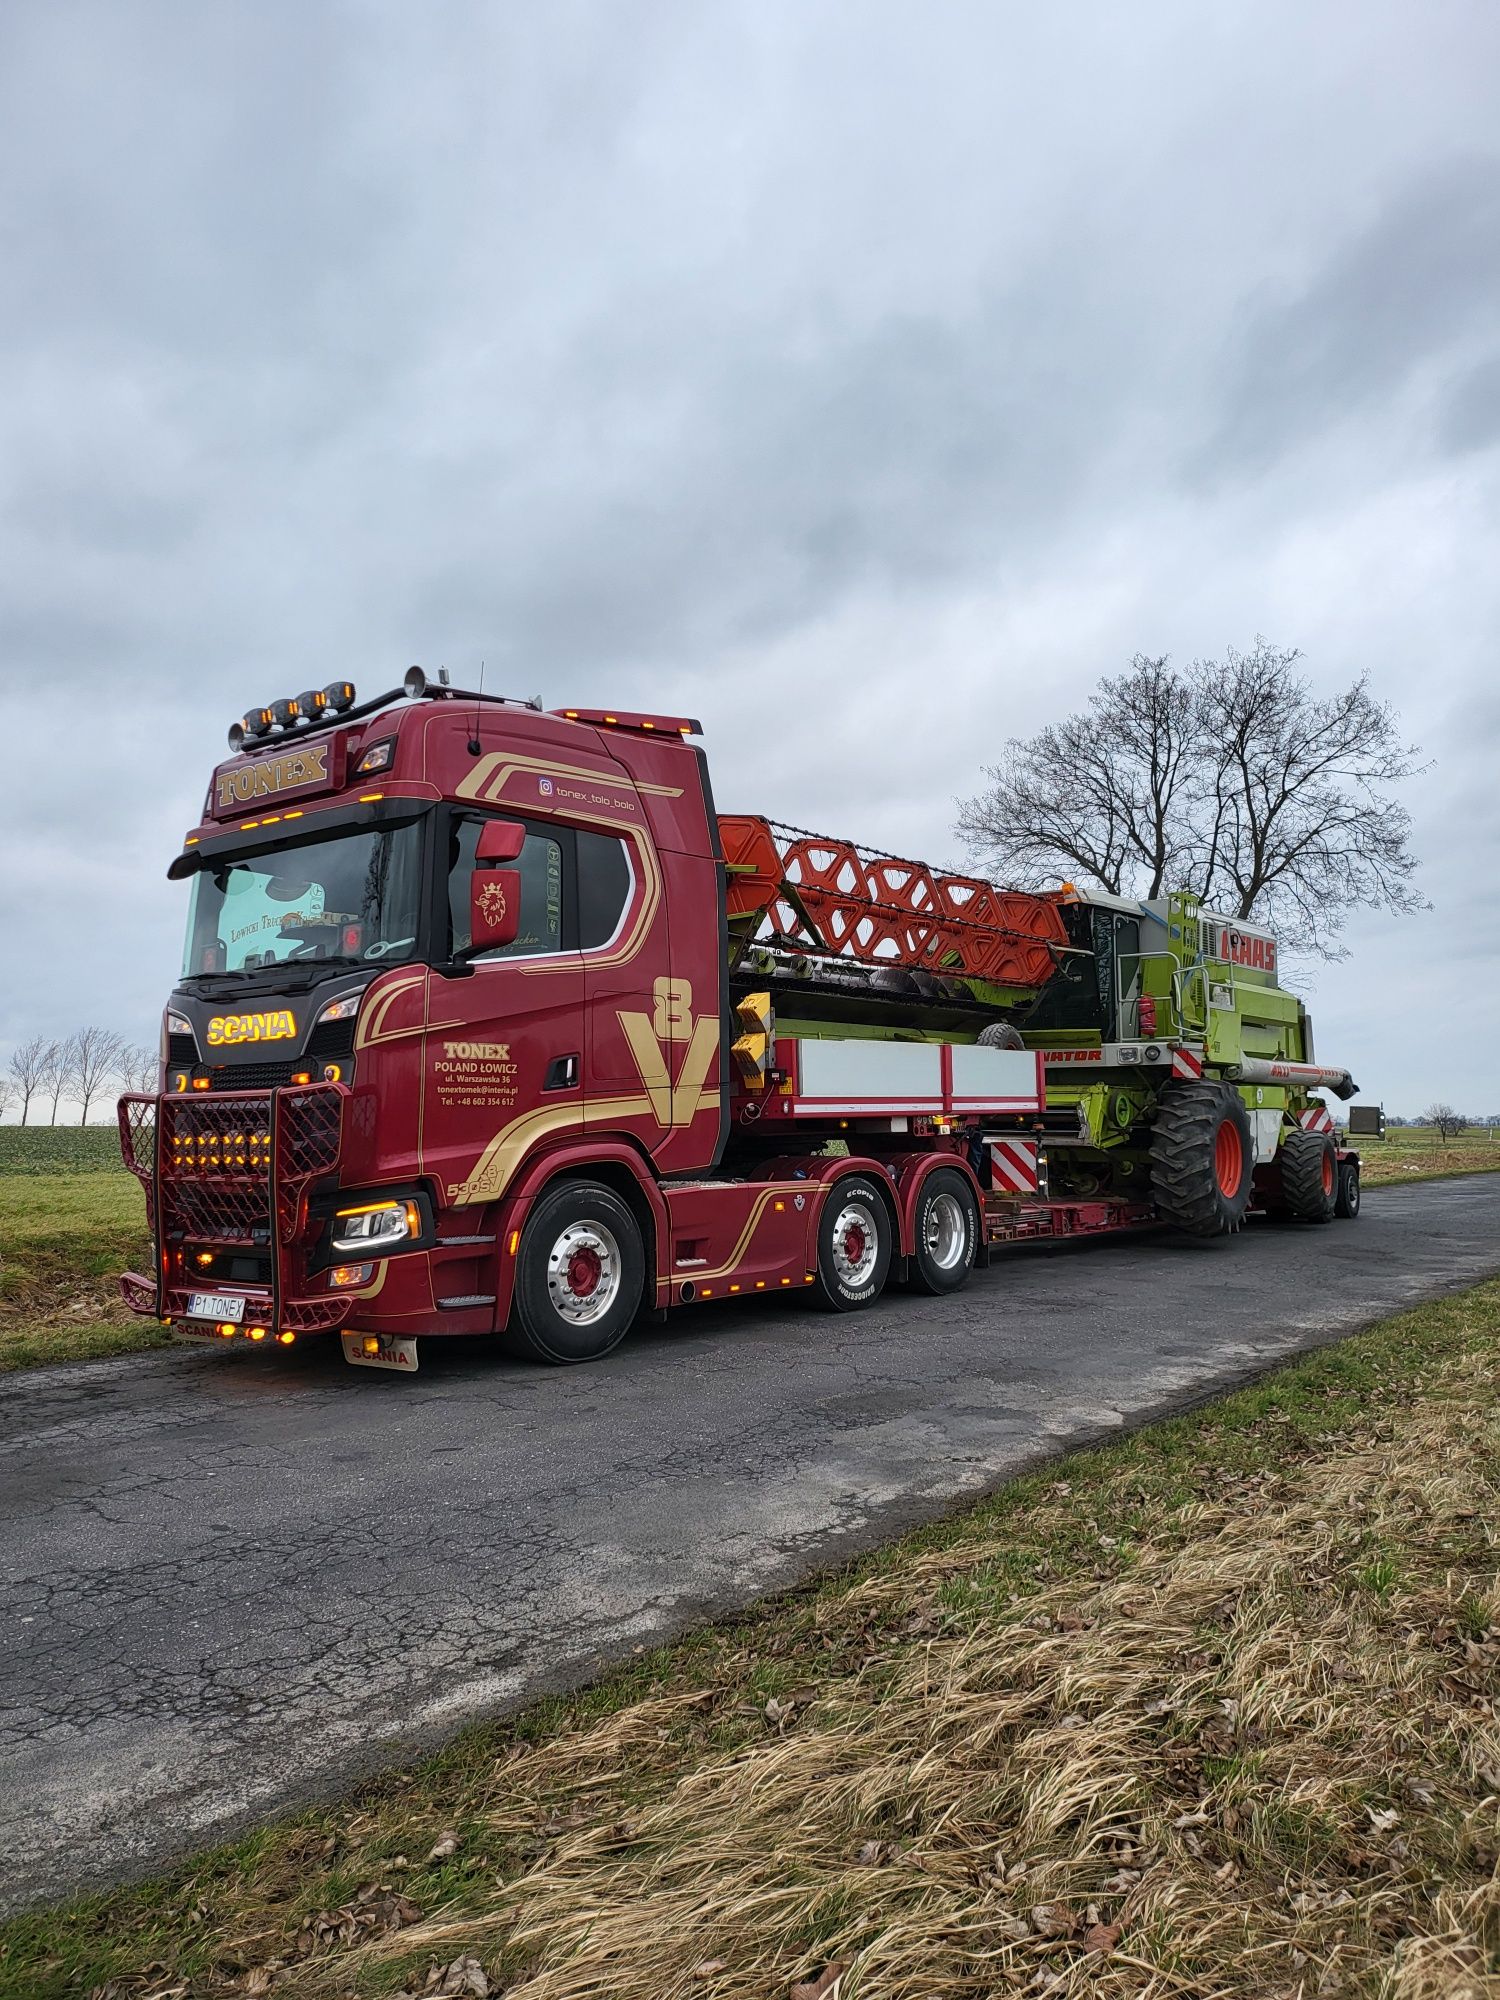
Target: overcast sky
<point>865,379</point>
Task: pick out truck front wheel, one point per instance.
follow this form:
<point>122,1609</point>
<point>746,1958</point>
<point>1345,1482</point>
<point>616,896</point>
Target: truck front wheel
<point>854,1245</point>
<point>947,1233</point>
<point>580,1270</point>
<point>1202,1158</point>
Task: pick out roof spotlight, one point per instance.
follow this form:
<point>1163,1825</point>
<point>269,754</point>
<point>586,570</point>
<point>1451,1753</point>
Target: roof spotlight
<point>415,684</point>
<point>284,712</point>
<point>339,695</point>
<point>257,721</point>
<point>312,703</point>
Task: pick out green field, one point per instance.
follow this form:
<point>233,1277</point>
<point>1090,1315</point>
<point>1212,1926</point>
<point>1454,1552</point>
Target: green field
<point>1417,1152</point>
<point>64,1239</point>
<point>60,1149</point>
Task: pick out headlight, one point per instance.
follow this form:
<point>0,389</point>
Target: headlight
<point>176,1025</point>
<point>342,1010</point>
<point>378,1226</point>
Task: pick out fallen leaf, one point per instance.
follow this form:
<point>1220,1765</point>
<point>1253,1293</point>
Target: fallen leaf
<point>1383,1821</point>
<point>709,1967</point>
<point>872,1854</point>
<point>259,1979</point>
<point>826,1980</point>
<point>443,1846</point>
<point>463,1979</point>
<point>1101,1938</point>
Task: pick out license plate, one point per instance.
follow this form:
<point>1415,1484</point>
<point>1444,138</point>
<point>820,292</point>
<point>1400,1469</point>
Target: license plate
<point>216,1305</point>
<point>381,1350</point>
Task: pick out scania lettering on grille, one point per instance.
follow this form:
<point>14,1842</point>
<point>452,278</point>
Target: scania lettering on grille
<point>227,1030</point>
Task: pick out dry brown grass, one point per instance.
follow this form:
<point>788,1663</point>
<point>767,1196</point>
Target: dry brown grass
<point>1211,1715</point>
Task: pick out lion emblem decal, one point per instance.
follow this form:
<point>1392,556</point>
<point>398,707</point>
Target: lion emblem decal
<point>492,903</point>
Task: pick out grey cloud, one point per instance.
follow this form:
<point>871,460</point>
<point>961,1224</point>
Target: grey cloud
<point>867,385</point>
<point>1402,293</point>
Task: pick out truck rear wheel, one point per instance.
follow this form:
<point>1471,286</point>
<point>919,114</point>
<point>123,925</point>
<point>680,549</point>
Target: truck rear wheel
<point>580,1270</point>
<point>854,1245</point>
<point>1346,1202</point>
<point>1202,1158</point>
<point>947,1233</point>
<point>1309,1176</point>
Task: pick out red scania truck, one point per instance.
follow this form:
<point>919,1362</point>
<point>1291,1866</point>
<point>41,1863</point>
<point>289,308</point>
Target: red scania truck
<point>490,1024</point>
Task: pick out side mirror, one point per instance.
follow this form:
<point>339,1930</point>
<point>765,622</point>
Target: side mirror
<point>500,840</point>
<point>494,907</point>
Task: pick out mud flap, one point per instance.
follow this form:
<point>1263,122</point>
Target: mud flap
<point>381,1350</point>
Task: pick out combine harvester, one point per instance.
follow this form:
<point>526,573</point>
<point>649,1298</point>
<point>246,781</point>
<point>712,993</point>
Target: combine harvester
<point>488,1023</point>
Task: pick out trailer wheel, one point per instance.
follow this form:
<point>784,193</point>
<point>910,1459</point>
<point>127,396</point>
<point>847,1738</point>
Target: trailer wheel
<point>580,1270</point>
<point>854,1245</point>
<point>1202,1158</point>
<point>947,1233</point>
<point>1346,1201</point>
<point>1309,1176</point>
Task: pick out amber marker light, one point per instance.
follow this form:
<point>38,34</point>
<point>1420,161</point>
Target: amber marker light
<point>257,1333</point>
<point>204,1257</point>
<point>302,1076</point>
<point>226,1327</point>
<point>286,1337</point>
<point>369,798</point>
<point>370,1344</point>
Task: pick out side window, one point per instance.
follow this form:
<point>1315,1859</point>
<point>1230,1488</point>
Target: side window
<point>540,866</point>
<point>603,887</point>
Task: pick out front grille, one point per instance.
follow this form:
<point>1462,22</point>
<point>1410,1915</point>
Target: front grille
<point>256,1076</point>
<point>181,1050</point>
<point>331,1041</point>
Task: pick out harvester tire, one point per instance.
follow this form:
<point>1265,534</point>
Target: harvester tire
<point>1346,1202</point>
<point>1202,1158</point>
<point>947,1233</point>
<point>580,1271</point>
<point>1309,1176</point>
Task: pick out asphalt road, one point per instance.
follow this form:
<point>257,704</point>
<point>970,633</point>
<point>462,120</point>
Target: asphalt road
<point>234,1580</point>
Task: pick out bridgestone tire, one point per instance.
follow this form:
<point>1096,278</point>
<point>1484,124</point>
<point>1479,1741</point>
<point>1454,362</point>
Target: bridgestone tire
<point>1346,1202</point>
<point>854,1245</point>
<point>947,1233</point>
<point>1309,1176</point>
<point>580,1270</point>
<point>1202,1158</point>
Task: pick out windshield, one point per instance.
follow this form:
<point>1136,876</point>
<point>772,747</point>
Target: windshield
<point>349,895</point>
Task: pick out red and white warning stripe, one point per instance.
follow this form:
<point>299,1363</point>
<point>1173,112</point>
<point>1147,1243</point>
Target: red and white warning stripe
<point>1187,1062</point>
<point>1317,1118</point>
<point>1013,1166</point>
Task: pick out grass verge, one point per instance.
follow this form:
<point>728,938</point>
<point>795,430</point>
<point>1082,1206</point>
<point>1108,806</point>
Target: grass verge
<point>1417,1153</point>
<point>1207,1711</point>
<point>64,1239</point>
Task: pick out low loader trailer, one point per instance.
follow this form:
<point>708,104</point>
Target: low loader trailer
<point>490,1023</point>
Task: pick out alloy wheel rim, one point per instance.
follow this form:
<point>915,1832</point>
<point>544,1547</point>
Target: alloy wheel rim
<point>856,1244</point>
<point>946,1235</point>
<point>584,1273</point>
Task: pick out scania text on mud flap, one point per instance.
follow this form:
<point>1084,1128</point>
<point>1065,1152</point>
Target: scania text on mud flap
<point>489,1023</point>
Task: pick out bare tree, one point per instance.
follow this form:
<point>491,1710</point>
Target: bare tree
<point>30,1066</point>
<point>1232,779</point>
<point>138,1067</point>
<point>91,1056</point>
<point>55,1076</point>
<point>1099,794</point>
<point>1449,1122</point>
<point>7,1096</point>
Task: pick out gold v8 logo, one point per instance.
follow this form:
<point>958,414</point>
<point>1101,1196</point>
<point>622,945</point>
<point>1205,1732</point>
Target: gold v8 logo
<point>673,1102</point>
